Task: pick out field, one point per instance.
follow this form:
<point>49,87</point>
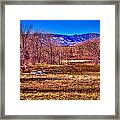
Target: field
<point>61,82</point>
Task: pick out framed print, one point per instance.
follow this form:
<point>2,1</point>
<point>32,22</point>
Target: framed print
<point>59,60</point>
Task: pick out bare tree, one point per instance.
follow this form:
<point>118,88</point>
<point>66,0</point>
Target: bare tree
<point>24,34</point>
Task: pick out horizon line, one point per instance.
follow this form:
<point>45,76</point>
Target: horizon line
<point>65,34</point>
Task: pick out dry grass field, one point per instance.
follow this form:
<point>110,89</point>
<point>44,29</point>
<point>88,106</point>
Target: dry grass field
<point>61,82</point>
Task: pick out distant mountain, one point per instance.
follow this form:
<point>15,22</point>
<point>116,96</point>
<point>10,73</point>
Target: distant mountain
<point>69,40</point>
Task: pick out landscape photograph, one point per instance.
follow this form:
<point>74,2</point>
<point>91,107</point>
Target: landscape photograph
<point>59,59</point>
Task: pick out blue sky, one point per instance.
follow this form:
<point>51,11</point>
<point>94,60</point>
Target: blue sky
<point>66,27</point>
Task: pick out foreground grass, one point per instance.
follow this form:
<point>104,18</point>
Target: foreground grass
<point>82,86</point>
<point>60,96</point>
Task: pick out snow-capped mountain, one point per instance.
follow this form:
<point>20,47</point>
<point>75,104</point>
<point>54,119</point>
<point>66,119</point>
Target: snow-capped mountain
<point>68,40</point>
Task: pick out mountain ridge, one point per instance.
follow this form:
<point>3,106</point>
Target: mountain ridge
<point>69,40</point>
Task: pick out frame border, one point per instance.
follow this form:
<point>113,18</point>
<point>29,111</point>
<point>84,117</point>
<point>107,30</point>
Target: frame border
<point>60,2</point>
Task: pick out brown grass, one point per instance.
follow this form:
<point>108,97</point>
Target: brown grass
<point>61,85</point>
